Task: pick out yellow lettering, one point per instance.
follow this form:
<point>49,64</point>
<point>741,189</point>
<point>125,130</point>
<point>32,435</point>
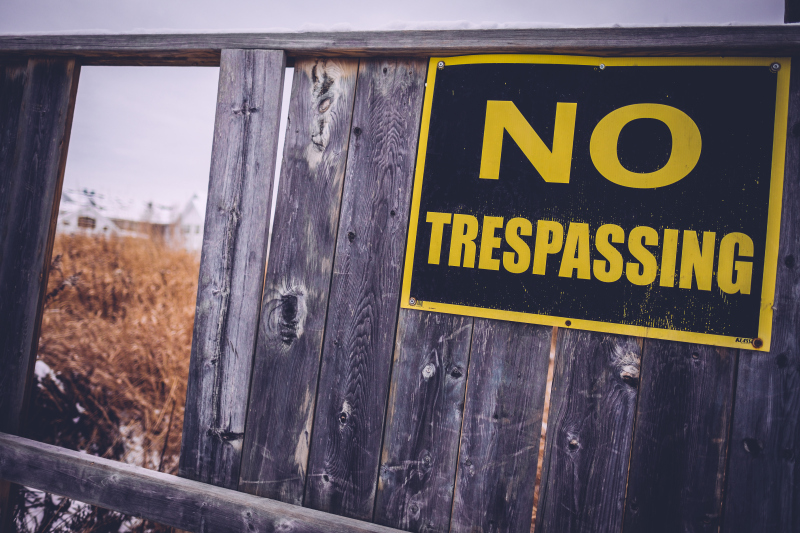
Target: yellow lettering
<point>638,238</point>
<point>699,262</point>
<point>465,229</point>
<point>610,270</point>
<point>576,252</point>
<point>489,243</point>
<point>727,265</point>
<point>517,262</point>
<point>549,238</point>
<point>554,166</point>
<point>686,146</point>
<point>669,255</point>
<point>437,220</point>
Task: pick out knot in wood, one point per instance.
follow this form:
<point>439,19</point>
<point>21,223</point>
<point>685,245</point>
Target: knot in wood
<point>752,446</point>
<point>428,371</point>
<point>573,444</point>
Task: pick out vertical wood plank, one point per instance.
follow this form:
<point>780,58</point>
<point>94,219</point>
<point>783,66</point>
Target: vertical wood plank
<point>763,489</point>
<point>365,289</point>
<point>502,427</point>
<point>423,423</point>
<point>589,431</point>
<point>232,263</point>
<point>298,279</point>
<point>681,438</point>
<point>36,107</point>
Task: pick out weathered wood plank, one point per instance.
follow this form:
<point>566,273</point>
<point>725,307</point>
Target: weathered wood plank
<point>365,289</point>
<point>678,459</point>
<point>589,432</point>
<point>298,279</point>
<point>502,427</point>
<point>36,107</point>
<point>423,423</point>
<point>763,488</point>
<point>204,49</point>
<point>12,85</point>
<point>232,264</point>
<point>174,501</point>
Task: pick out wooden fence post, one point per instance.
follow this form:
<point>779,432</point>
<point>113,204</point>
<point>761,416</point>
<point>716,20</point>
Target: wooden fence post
<point>36,107</point>
<point>232,264</point>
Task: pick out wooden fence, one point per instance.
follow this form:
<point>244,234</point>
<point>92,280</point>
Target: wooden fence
<point>315,403</point>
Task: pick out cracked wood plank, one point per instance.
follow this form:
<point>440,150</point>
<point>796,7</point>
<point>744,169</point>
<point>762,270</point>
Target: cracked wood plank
<point>37,101</point>
<point>502,427</point>
<point>589,432</point>
<point>365,289</point>
<point>232,264</point>
<point>763,486</point>
<point>423,424</point>
<point>681,438</point>
<point>298,279</point>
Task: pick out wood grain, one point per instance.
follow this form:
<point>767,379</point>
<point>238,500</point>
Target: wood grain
<point>204,49</point>
<point>502,427</point>
<point>677,469</point>
<point>36,107</point>
<point>763,489</point>
<point>232,264</point>
<point>12,86</point>
<point>423,423</point>
<point>171,500</point>
<point>365,289</point>
<point>298,279</point>
<point>589,432</point>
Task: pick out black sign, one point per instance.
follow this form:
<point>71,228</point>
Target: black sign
<point>637,196</point>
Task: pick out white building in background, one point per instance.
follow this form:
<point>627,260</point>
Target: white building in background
<point>92,213</point>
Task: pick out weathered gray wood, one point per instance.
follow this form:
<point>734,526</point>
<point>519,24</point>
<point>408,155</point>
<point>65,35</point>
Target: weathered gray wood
<point>298,279</point>
<point>679,447</point>
<point>423,422</point>
<point>181,503</point>
<point>365,288</point>
<point>763,487</point>
<point>232,264</point>
<point>589,432</point>
<point>204,49</point>
<point>791,12</point>
<point>37,104</point>
<point>502,427</point>
<point>12,85</point>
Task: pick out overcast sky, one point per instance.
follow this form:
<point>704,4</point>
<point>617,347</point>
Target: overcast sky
<point>146,132</point>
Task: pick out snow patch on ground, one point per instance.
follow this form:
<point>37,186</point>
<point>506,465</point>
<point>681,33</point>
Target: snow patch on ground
<point>43,371</point>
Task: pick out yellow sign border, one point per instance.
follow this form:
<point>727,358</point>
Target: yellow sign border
<point>773,216</point>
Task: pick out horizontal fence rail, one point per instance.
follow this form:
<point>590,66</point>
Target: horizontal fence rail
<point>204,49</point>
<point>171,500</point>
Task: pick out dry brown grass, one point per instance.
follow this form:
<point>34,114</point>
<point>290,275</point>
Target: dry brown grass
<point>117,331</point>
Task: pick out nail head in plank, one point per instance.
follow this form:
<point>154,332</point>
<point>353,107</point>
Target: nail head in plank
<point>365,289</point>
<point>680,443</point>
<point>298,280</point>
<point>589,432</point>
<point>763,487</point>
<point>423,424</point>
<point>181,503</point>
<point>502,427</point>
<point>232,264</point>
